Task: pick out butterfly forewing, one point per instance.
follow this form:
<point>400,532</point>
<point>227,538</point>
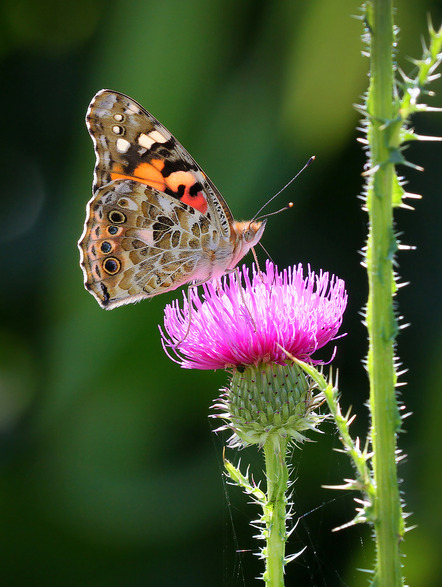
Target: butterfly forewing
<point>131,143</point>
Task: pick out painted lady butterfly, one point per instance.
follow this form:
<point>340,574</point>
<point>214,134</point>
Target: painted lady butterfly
<point>155,221</point>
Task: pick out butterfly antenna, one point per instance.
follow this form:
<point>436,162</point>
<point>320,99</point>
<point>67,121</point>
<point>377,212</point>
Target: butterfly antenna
<point>280,191</point>
<point>289,205</point>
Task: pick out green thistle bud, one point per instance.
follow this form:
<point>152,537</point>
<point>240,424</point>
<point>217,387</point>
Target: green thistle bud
<point>269,400</point>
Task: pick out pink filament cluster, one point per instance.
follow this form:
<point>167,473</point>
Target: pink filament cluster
<point>242,320</point>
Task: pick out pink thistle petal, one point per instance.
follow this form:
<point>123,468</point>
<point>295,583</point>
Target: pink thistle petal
<point>242,324</point>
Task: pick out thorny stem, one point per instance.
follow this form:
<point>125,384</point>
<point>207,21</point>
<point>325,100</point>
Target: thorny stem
<point>381,321</point>
<point>274,516</point>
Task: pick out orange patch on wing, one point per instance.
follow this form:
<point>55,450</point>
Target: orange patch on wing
<point>158,164</point>
<point>186,178</point>
<point>198,202</point>
<point>149,172</point>
<point>151,175</point>
<point>146,173</point>
<point>178,178</point>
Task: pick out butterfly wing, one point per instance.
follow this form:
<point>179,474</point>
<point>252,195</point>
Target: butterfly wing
<point>131,144</point>
<point>139,242</point>
<point>155,220</point>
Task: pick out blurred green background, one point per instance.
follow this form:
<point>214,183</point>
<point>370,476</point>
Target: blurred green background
<point>110,472</point>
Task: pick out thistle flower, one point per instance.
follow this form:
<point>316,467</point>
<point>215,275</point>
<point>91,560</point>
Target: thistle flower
<point>238,325</point>
<point>255,330</point>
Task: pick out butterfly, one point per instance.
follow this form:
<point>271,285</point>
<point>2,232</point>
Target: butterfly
<point>155,221</point>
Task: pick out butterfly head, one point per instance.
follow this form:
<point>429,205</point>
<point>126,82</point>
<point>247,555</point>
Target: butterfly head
<point>248,235</point>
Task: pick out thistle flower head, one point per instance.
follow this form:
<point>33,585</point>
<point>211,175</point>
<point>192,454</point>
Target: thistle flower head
<point>245,320</point>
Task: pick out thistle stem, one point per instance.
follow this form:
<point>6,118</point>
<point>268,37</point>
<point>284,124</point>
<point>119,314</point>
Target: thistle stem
<point>381,322</point>
<point>274,509</point>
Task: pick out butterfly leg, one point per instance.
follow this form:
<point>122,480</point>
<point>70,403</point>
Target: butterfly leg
<point>241,292</point>
<point>220,291</point>
<point>256,261</point>
<point>189,305</point>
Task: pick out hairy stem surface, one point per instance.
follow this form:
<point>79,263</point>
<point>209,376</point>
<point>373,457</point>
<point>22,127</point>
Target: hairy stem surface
<point>381,322</point>
<point>275,510</point>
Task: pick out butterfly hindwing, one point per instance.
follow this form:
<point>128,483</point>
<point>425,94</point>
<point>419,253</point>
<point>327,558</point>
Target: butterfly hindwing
<point>139,242</point>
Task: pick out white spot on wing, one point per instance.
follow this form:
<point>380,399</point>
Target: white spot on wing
<point>153,137</point>
<point>145,141</point>
<point>132,109</point>
<point>122,145</point>
<point>167,204</point>
<point>157,136</point>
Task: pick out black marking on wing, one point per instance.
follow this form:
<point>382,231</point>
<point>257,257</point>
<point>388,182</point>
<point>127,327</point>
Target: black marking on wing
<point>195,189</point>
<point>172,165</point>
<point>106,296</point>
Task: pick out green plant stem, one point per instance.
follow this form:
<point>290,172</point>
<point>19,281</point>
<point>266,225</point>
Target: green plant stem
<point>381,322</point>
<point>275,510</point>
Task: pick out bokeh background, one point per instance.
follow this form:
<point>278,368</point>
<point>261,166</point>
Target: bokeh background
<point>110,472</point>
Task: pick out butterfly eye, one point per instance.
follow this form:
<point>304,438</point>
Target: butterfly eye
<point>249,235</point>
<point>111,266</point>
<point>116,217</point>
